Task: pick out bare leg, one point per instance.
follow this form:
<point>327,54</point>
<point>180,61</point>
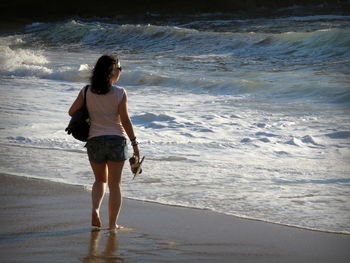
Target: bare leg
<point>98,191</point>
<point>115,170</point>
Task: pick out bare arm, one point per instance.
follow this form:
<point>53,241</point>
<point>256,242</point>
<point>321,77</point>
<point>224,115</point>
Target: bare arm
<point>77,104</point>
<point>126,122</point>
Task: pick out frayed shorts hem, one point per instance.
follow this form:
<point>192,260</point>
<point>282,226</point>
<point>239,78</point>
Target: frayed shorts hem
<point>105,148</point>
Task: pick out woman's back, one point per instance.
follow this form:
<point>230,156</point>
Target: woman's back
<point>103,112</point>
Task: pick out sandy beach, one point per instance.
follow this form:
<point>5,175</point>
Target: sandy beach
<point>43,221</point>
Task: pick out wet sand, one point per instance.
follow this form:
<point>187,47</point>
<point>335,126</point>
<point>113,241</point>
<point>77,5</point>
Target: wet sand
<point>43,221</point>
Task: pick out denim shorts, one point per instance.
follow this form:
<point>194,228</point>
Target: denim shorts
<point>107,148</point>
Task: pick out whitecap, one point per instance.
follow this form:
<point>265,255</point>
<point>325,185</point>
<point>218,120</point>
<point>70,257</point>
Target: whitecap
<point>22,62</point>
<point>310,139</point>
<point>294,142</point>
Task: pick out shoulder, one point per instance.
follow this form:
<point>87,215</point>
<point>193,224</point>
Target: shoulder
<point>118,88</point>
<point>120,91</point>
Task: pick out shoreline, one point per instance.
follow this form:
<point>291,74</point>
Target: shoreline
<point>85,188</point>
<point>245,217</point>
<point>47,217</point>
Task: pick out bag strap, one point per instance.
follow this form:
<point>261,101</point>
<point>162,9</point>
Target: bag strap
<point>85,91</point>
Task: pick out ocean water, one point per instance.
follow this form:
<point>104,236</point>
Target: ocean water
<point>243,116</point>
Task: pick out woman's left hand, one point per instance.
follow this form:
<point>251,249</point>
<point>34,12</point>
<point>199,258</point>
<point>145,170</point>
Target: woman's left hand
<point>136,151</point>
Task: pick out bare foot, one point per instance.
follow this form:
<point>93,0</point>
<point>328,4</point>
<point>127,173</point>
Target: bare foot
<point>95,219</point>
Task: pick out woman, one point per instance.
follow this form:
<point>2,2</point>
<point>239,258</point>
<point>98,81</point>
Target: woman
<point>106,145</point>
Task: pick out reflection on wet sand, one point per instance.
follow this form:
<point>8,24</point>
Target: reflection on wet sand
<point>109,254</point>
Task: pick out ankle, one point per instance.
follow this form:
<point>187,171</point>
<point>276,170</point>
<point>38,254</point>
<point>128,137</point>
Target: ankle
<point>95,219</point>
<point>115,227</point>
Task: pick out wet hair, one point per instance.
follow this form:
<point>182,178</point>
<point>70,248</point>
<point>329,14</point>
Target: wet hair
<point>102,74</point>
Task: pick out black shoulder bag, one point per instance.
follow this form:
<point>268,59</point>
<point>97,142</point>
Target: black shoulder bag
<point>79,124</point>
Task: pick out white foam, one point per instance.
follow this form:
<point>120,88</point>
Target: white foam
<point>22,62</point>
<point>28,63</point>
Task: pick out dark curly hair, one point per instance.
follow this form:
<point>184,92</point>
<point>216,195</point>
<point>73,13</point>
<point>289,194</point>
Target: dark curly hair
<point>102,74</point>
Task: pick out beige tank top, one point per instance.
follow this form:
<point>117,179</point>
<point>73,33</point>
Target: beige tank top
<point>103,112</point>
